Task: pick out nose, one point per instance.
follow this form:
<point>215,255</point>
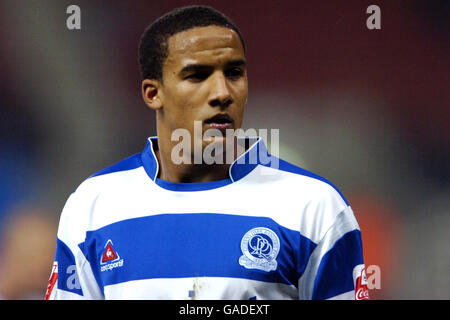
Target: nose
<point>220,94</point>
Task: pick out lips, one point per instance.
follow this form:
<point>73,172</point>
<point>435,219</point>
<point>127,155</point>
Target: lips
<point>220,121</point>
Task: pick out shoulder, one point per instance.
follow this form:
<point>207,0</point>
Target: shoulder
<point>310,202</point>
<point>105,178</point>
<point>78,210</point>
<point>130,163</point>
<point>305,181</point>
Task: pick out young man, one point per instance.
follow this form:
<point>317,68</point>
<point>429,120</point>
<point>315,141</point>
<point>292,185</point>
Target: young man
<point>168,224</point>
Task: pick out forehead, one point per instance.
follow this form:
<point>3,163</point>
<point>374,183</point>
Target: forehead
<point>204,43</point>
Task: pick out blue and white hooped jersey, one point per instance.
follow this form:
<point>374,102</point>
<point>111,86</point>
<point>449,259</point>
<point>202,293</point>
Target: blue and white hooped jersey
<point>267,232</point>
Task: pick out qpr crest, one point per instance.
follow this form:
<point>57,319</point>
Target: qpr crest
<point>260,247</point>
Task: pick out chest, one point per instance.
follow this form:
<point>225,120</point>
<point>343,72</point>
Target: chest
<point>202,255</point>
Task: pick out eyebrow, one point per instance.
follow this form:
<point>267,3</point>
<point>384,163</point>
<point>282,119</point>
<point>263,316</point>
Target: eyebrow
<point>198,67</point>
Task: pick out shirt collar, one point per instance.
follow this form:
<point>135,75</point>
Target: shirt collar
<point>255,154</point>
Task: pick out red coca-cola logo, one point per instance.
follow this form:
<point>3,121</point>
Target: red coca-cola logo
<point>361,291</point>
<point>52,281</point>
<point>362,294</point>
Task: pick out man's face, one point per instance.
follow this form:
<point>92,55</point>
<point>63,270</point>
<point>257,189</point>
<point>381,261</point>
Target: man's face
<point>204,79</point>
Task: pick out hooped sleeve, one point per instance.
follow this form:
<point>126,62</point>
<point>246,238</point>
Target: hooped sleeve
<point>336,267</point>
<point>71,276</point>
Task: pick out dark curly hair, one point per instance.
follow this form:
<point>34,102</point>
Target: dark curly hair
<point>153,49</point>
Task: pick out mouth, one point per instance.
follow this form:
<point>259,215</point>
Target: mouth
<point>220,121</point>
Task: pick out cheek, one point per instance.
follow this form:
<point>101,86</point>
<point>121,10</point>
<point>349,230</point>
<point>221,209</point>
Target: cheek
<point>181,105</point>
<point>241,95</point>
<point>240,89</point>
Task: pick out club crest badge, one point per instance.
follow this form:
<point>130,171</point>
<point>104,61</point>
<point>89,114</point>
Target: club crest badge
<point>260,247</point>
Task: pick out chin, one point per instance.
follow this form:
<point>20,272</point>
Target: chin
<point>213,142</point>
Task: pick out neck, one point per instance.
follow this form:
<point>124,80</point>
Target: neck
<point>189,170</point>
<point>172,172</point>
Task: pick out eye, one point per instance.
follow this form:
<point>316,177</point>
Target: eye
<point>234,73</point>
<point>197,76</point>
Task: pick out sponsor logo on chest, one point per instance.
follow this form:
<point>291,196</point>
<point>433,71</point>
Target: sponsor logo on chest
<point>110,258</point>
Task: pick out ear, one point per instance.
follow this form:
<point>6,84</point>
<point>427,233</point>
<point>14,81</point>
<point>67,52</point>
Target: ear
<point>152,93</point>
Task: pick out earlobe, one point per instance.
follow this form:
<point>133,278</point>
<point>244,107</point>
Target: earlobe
<point>151,93</point>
